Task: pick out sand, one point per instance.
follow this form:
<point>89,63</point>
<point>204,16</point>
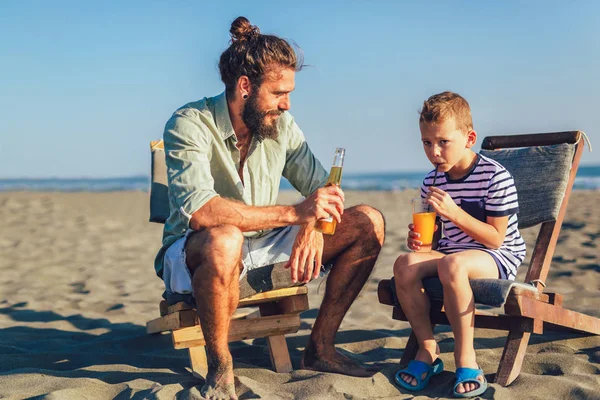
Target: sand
<point>77,287</point>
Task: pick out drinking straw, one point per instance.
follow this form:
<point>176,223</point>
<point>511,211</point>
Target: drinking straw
<point>433,184</point>
<point>435,176</point>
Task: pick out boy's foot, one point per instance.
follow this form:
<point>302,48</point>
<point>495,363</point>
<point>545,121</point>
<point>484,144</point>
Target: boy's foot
<point>423,356</point>
<point>470,382</point>
<point>421,372</point>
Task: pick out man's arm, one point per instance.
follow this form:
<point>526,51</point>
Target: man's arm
<point>302,169</point>
<point>191,186</point>
<point>220,211</point>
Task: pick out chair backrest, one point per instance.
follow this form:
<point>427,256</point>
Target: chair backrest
<point>544,167</point>
<point>159,187</point>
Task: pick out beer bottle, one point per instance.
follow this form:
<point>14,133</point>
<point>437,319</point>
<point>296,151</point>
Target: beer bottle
<point>327,225</point>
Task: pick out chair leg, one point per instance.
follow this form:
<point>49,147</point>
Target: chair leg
<point>278,348</point>
<point>410,351</point>
<point>512,357</point>
<point>280,355</point>
<point>198,361</point>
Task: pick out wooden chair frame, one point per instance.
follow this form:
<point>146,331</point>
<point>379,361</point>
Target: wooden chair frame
<point>279,314</point>
<point>525,312</point>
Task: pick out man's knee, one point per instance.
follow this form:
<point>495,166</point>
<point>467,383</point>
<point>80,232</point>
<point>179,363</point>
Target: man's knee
<point>220,246</point>
<point>369,221</point>
<point>451,269</point>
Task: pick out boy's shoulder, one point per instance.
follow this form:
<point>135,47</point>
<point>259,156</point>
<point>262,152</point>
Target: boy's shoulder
<point>490,163</point>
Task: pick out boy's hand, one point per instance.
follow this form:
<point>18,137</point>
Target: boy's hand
<point>412,240</point>
<point>442,203</point>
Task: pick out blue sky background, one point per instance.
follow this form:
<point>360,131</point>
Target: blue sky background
<point>85,85</point>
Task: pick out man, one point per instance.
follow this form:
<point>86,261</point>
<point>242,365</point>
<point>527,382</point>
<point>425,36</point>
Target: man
<point>225,157</point>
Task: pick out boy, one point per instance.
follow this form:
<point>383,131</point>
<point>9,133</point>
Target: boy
<point>476,199</point>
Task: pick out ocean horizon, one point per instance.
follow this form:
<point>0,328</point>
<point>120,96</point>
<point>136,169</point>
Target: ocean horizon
<point>588,178</point>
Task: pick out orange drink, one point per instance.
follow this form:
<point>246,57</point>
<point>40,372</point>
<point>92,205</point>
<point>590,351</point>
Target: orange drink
<point>424,223</point>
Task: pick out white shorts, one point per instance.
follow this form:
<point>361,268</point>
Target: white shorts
<point>274,247</point>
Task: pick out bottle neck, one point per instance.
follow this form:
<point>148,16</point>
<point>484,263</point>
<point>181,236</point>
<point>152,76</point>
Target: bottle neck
<point>338,158</point>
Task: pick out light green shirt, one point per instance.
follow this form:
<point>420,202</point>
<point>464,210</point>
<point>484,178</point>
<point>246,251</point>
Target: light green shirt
<point>203,162</point>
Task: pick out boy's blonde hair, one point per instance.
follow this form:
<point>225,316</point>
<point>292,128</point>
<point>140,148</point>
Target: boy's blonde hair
<point>440,107</point>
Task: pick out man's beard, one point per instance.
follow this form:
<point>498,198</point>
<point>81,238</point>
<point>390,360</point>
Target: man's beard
<point>255,119</point>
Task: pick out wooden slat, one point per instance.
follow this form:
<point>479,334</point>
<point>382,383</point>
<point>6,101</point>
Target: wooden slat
<point>531,294</point>
<point>512,357</point>
<point>240,329</point>
<point>279,353</point>
<point>179,307</point>
<point>555,298</point>
<point>540,252</point>
<point>163,308</point>
<point>556,315</point>
<point>533,139</point>
<point>485,320</point>
<point>198,361</point>
<point>288,305</point>
<point>384,292</point>
<point>272,295</point>
<point>169,322</point>
<point>410,350</point>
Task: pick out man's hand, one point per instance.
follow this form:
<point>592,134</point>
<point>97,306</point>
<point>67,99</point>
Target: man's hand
<point>306,258</point>
<point>442,203</point>
<point>322,203</point>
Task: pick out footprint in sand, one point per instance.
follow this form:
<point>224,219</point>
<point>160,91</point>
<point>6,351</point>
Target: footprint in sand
<point>563,273</point>
<point>575,226</point>
<point>115,307</point>
<point>561,259</point>
<point>592,267</point>
<point>593,236</point>
<point>79,287</point>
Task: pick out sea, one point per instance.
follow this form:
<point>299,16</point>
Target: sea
<point>588,178</point>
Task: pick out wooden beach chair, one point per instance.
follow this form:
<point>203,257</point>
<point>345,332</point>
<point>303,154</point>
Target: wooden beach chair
<point>544,168</point>
<point>278,310</point>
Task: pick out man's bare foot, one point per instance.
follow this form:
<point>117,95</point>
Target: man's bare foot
<point>334,362</point>
<point>219,384</point>
<point>425,356</point>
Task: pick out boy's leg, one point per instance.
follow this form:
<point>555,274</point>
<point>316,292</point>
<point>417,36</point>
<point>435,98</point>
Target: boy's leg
<point>454,271</point>
<point>409,271</point>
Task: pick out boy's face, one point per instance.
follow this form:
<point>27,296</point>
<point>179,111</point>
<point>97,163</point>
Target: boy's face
<point>446,146</point>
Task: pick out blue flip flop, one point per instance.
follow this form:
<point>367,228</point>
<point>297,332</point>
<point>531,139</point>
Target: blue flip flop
<point>416,369</point>
<point>469,375</point>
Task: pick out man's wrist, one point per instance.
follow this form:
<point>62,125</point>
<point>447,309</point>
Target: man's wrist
<point>292,215</point>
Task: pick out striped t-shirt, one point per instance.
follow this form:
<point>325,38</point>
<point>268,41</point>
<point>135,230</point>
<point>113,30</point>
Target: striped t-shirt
<point>487,190</point>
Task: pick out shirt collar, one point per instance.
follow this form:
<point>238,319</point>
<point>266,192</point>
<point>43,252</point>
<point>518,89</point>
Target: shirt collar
<point>222,116</point>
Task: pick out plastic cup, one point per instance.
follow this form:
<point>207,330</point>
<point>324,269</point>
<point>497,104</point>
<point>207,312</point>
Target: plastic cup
<point>424,223</point>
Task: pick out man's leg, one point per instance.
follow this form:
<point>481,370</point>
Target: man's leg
<point>409,271</point>
<point>353,250</point>
<point>454,271</point>
<point>213,256</point>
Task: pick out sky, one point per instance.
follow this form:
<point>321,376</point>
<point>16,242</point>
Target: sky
<point>86,85</point>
